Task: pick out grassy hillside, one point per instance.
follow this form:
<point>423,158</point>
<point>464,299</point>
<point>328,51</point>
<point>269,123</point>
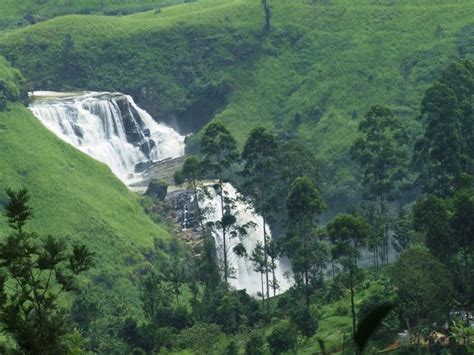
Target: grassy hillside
<point>11,81</point>
<point>313,76</point>
<point>76,197</point>
<point>14,13</point>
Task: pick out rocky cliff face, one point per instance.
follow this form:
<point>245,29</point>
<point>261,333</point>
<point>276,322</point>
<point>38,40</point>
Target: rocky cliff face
<point>136,131</point>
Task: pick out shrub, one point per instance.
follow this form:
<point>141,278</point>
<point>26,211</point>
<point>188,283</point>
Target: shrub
<point>254,345</point>
<point>232,349</point>
<point>201,338</point>
<point>342,310</point>
<point>157,189</point>
<point>283,338</point>
<point>3,95</point>
<point>305,322</point>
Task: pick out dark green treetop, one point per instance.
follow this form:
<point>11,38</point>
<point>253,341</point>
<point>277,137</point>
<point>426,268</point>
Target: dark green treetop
<point>444,155</point>
<point>424,286</point>
<point>304,201</point>
<point>431,216</point>
<point>260,158</point>
<point>17,210</point>
<point>381,151</point>
<point>349,232</point>
<point>219,148</point>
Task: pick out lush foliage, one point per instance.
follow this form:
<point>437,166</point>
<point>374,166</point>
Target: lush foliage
<point>265,74</point>
<point>445,151</point>
<point>21,13</point>
<point>36,271</point>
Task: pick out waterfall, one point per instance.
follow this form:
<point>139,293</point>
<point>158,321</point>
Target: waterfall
<point>245,276</point>
<point>109,127</point>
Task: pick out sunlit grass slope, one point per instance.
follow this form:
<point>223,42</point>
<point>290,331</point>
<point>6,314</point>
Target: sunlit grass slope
<point>74,196</point>
<point>314,76</point>
<point>14,13</point>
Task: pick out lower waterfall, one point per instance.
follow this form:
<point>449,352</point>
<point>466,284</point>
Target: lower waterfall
<point>111,128</point>
<point>245,276</point>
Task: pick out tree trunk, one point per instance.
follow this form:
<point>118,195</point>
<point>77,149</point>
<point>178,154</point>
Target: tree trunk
<point>376,257</point>
<point>333,271</point>
<point>384,220</point>
<point>355,254</point>
<point>407,322</point>
<point>351,277</point>
<point>274,278</point>
<point>343,343</point>
<point>306,297</point>
<point>306,267</point>
<point>197,206</point>
<point>226,271</point>
<point>467,258</point>
<point>266,9</point>
<point>265,254</point>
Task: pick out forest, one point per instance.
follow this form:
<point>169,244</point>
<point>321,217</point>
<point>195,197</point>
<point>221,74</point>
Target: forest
<point>236,177</point>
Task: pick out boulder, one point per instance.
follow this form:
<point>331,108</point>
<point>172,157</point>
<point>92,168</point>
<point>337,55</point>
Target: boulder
<point>157,189</point>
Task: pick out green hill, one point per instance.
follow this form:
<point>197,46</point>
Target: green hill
<point>74,196</point>
<point>323,64</point>
<point>17,13</point>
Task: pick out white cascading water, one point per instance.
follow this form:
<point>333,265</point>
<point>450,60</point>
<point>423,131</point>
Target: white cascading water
<point>245,275</point>
<point>94,123</point>
<point>111,128</point>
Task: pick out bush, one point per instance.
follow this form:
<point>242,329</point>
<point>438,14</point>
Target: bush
<point>202,338</point>
<point>232,349</point>
<point>305,322</point>
<point>178,177</point>
<point>282,338</point>
<point>178,318</point>
<point>254,345</point>
<point>157,189</point>
<point>3,99</point>
<point>342,310</point>
<point>335,290</point>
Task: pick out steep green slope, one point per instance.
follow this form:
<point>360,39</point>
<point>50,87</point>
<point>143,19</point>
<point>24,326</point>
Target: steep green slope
<point>72,195</point>
<point>313,76</point>
<point>11,80</point>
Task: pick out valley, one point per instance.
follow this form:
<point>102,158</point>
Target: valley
<point>236,176</point>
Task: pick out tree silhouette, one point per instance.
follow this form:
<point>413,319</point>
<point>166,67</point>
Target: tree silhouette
<point>35,272</point>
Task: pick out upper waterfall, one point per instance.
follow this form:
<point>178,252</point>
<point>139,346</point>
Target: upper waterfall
<point>109,127</point>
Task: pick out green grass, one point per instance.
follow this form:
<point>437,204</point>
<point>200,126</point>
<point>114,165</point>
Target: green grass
<point>335,322</point>
<point>12,78</point>
<point>13,12</point>
<point>76,197</point>
<point>328,62</point>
